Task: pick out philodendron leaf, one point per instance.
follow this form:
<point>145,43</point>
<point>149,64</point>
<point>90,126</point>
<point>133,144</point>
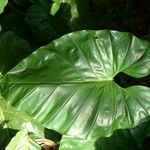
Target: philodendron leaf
<point>3,3</point>
<point>68,85</point>
<point>22,142</point>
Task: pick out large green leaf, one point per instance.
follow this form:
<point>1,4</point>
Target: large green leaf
<point>68,85</point>
<point>3,3</point>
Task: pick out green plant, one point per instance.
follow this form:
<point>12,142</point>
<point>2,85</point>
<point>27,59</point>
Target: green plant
<point>68,85</point>
<point>11,121</point>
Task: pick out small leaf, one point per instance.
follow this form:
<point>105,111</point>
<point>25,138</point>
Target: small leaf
<point>12,120</point>
<point>3,3</point>
<point>72,5</point>
<point>22,142</point>
<point>54,8</point>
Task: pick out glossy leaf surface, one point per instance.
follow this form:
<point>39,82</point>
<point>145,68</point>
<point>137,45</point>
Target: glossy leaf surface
<point>70,143</point>
<point>68,85</point>
<point>23,3</point>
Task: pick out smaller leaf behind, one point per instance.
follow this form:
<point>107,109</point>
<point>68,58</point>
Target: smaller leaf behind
<point>22,142</point>
<point>12,120</point>
<point>73,6</point>
<point>44,26</point>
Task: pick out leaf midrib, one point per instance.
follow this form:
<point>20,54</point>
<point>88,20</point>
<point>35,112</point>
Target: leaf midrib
<point>62,82</point>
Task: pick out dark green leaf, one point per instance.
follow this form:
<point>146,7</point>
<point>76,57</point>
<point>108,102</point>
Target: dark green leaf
<point>44,26</point>
<point>14,22</point>
<point>23,3</point>
<point>12,50</point>
<point>95,14</point>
